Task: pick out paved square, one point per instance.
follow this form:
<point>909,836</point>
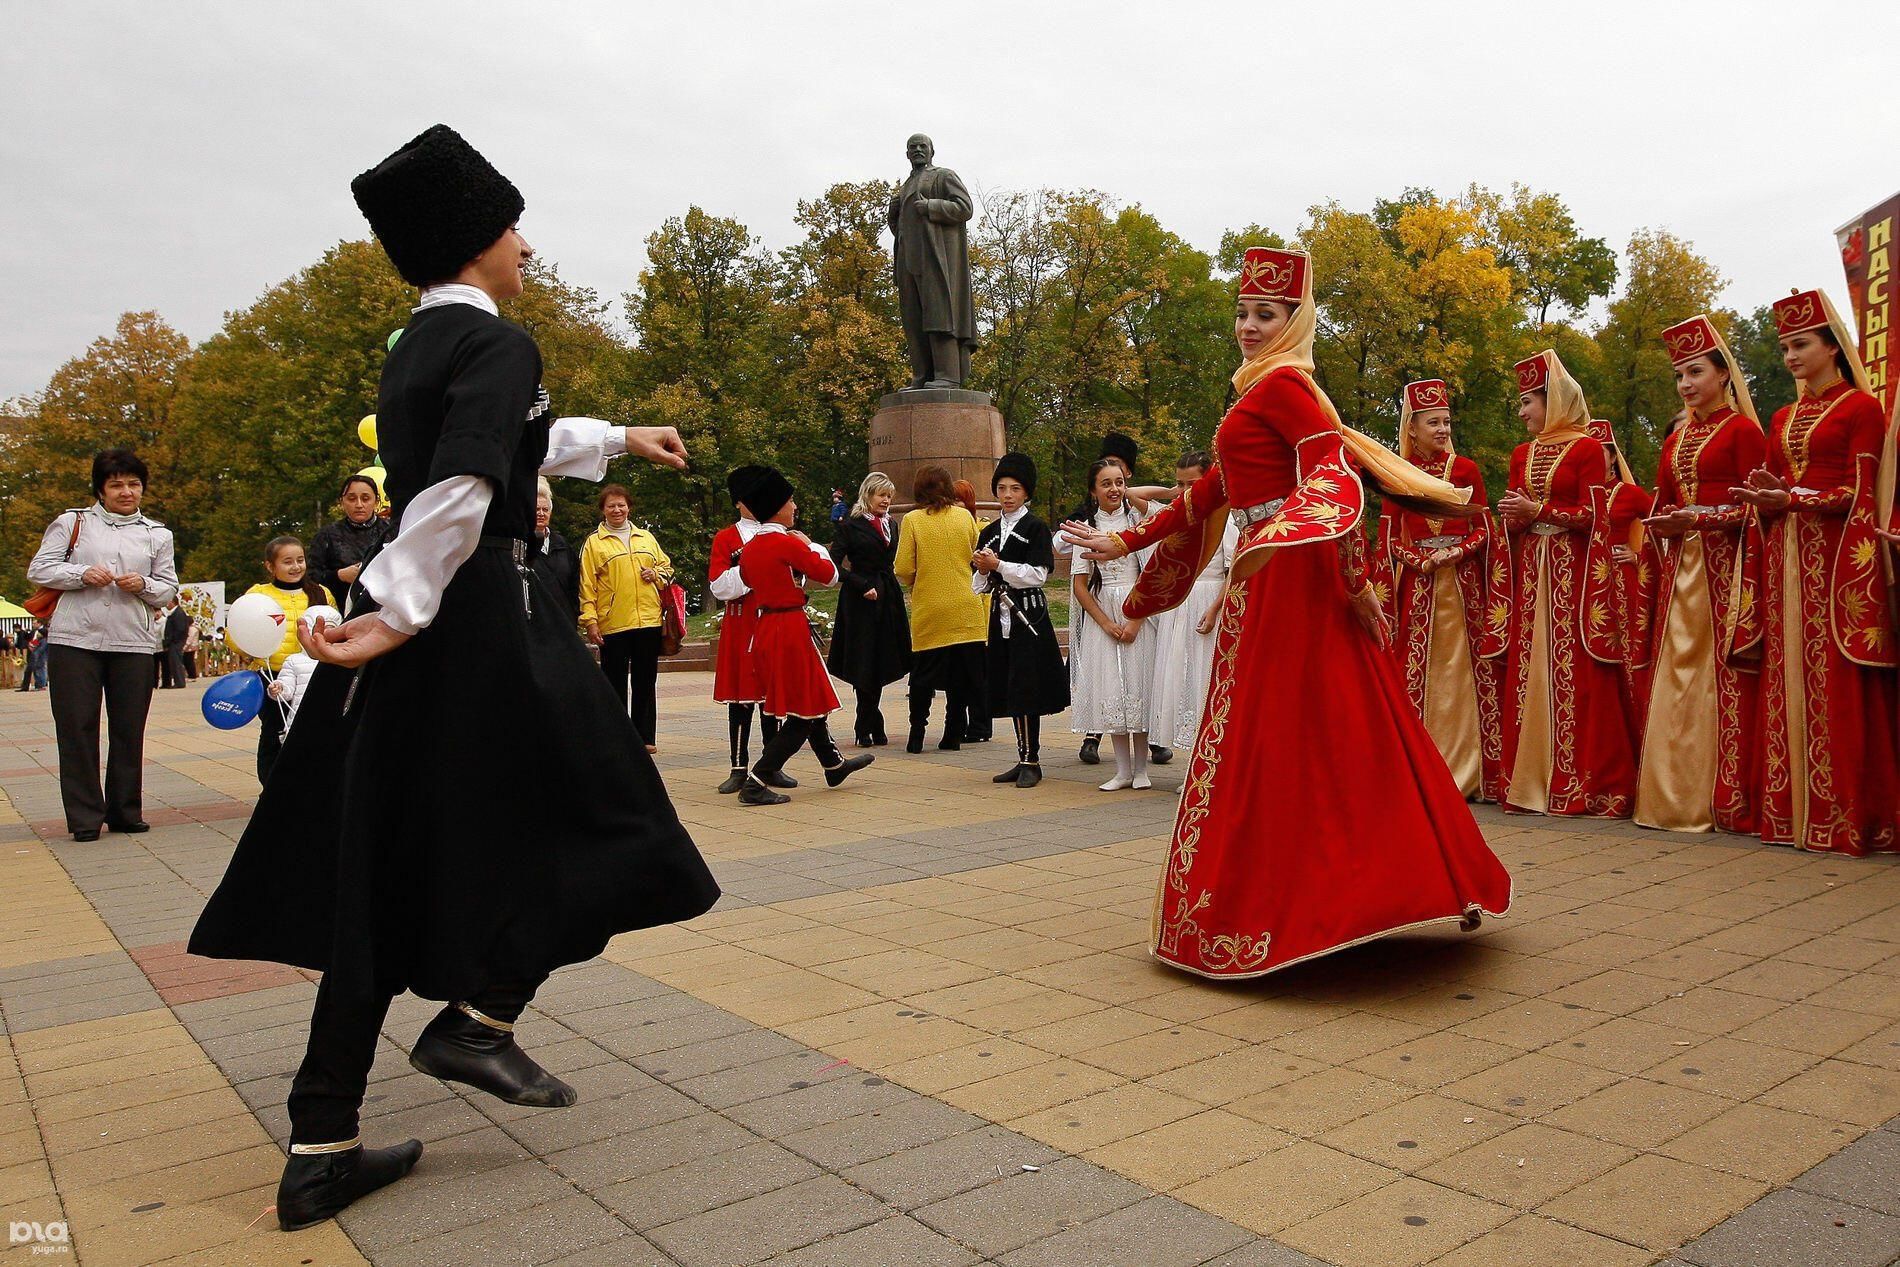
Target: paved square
<point>923,1028</point>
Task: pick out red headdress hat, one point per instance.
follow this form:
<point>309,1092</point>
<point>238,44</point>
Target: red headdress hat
<point>1802,310</point>
<point>1270,273</point>
<point>1686,340</point>
<point>1427,393</point>
<point>1533,373</point>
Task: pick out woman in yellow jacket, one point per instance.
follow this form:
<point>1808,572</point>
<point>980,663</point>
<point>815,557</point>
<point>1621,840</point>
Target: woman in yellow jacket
<point>623,571</point>
<point>949,626</point>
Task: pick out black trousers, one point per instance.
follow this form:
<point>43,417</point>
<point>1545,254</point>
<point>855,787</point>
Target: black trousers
<point>793,733</point>
<point>739,732</point>
<point>869,723</point>
<point>80,679</point>
<point>326,1096</point>
<point>172,663</point>
<point>631,661</point>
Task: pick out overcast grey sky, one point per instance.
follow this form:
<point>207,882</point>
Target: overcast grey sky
<point>185,156</point>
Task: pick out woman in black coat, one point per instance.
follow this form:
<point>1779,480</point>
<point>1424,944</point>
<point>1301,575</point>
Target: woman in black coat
<point>554,558</point>
<point>870,647</point>
<point>340,549</point>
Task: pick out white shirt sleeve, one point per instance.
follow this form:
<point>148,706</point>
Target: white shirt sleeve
<point>440,529</point>
<point>581,448</point>
<point>1022,576</point>
<point>729,586</point>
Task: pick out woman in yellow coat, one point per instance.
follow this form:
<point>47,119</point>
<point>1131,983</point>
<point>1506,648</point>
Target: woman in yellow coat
<point>623,571</point>
<point>949,627</point>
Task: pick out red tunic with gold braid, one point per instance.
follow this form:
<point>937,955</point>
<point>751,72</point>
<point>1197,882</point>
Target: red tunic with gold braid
<point>1449,626</point>
<point>1567,745</point>
<point>1704,769</point>
<point>735,677</point>
<point>1316,811</point>
<point>1829,776</point>
<point>1619,593</point>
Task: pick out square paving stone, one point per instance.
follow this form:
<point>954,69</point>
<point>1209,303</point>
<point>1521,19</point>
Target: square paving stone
<point>946,1167</point>
<point>881,1132</point>
<point>705,1183</point>
<point>1158,1232</point>
<point>399,1214</point>
<point>1553,1161</point>
<point>1759,1142</point>
<point>543,1234</point>
<point>896,1242</point>
<point>1798,1229</point>
<point>751,1230</point>
<point>661,1147</point>
<point>1533,1241</point>
<point>1864,1173</point>
<point>1400,1225</point>
<point>1286,1186</point>
<point>1654,1201</point>
<point>1024,1207</point>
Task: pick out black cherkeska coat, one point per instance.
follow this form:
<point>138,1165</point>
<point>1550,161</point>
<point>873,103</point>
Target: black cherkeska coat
<point>870,645</point>
<point>483,810</point>
<point>1027,677</point>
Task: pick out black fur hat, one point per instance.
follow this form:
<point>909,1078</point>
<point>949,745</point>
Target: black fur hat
<point>436,204</point>
<point>1117,445</point>
<point>1019,467</point>
<point>741,478</point>
<point>764,491</point>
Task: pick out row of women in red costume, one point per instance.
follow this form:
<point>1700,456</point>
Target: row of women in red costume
<point>1716,654</point>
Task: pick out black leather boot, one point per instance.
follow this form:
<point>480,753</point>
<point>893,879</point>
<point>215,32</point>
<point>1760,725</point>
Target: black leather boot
<point>780,779</point>
<point>316,1186</point>
<point>734,781</point>
<point>1009,775</point>
<point>1091,750</point>
<point>916,741</point>
<point>1029,774</point>
<point>756,793</point>
<point>845,769</point>
<point>456,1047</point>
<point>1157,755</point>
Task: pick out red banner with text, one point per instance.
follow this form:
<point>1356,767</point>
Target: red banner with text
<point>1867,253</point>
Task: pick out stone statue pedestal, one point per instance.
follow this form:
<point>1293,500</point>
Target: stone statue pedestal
<point>942,426</point>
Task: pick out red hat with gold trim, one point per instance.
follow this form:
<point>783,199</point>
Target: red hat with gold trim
<point>1533,372</point>
<point>1801,310</point>
<point>1427,393</point>
<point>1270,273</point>
<point>1686,340</point>
<point>1599,429</point>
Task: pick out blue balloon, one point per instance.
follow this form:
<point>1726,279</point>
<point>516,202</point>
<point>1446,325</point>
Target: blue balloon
<point>233,699</point>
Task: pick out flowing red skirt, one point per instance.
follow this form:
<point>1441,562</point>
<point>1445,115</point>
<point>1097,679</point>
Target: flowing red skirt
<point>1316,812</point>
<point>791,673</point>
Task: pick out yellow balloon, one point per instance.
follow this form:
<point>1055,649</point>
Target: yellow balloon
<point>376,474</point>
<point>366,431</point>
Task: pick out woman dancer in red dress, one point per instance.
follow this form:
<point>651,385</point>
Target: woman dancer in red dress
<point>1448,596</point>
<point>1281,852</point>
<point>1567,745</point>
<point>1830,777</point>
<point>1704,769</point>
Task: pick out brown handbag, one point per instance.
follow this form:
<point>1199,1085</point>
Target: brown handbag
<point>672,619</point>
<point>41,602</point>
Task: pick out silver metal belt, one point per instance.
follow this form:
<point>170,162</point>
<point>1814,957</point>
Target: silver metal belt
<point>1245,517</point>
<point>1547,530</point>
<point>1437,543</point>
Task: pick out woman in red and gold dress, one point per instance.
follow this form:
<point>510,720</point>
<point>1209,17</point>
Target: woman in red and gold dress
<point>1567,746</point>
<point>1449,605</point>
<point>1619,579</point>
<point>1830,777</point>
<point>1316,811</point>
<point>1704,769</point>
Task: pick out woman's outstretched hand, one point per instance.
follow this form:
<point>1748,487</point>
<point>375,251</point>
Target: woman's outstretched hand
<point>351,644</point>
<point>1097,546</point>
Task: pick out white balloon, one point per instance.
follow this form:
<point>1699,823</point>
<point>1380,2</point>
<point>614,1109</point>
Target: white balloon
<point>331,616</point>
<point>255,625</point>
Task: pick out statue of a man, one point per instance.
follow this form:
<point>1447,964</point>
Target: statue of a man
<point>932,257</point>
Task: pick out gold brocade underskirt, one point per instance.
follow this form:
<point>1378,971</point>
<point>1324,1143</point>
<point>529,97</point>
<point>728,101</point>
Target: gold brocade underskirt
<point>1675,788</point>
<point>1536,750</point>
<point>1451,695</point>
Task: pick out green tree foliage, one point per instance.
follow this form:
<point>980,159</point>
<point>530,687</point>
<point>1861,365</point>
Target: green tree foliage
<point>1753,341</point>
<point>121,392</point>
<point>1094,316</point>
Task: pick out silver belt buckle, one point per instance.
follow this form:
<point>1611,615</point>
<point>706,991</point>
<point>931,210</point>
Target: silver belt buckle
<point>1547,530</point>
<point>1245,517</point>
<point>1438,543</point>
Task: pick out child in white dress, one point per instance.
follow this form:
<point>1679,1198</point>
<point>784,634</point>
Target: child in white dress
<point>1111,658</point>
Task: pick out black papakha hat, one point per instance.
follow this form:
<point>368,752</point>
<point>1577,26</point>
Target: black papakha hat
<point>1019,467</point>
<point>436,204</point>
<point>764,492</point>
<point>741,478</point>
<point>1117,445</point>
